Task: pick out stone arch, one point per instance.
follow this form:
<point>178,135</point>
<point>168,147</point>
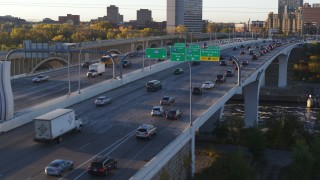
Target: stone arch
<point>139,47</point>
<point>114,51</point>
<point>63,61</point>
<point>154,45</point>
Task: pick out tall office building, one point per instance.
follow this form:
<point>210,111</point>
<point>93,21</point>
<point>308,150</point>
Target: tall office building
<point>113,14</point>
<point>184,12</point>
<point>289,6</point>
<point>143,16</point>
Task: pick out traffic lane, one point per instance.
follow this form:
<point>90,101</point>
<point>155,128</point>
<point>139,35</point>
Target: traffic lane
<point>100,129</point>
<point>24,91</point>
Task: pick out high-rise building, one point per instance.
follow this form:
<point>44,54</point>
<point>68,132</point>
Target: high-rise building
<point>290,6</point>
<point>184,12</point>
<point>70,19</point>
<point>143,16</point>
<point>113,14</point>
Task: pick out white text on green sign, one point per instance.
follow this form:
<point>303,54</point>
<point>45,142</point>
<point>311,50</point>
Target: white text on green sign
<point>193,54</point>
<point>210,55</point>
<point>156,53</point>
<point>178,53</point>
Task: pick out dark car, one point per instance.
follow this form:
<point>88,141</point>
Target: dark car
<point>102,165</point>
<point>244,63</point>
<point>220,78</point>
<point>242,46</point>
<point>255,57</point>
<point>178,71</point>
<point>160,59</point>
<point>167,100</point>
<point>195,62</point>
<point>229,73</point>
<point>126,64</point>
<point>223,63</point>
<point>235,48</point>
<point>85,64</point>
<point>242,52</point>
<point>173,114</point>
<point>197,91</point>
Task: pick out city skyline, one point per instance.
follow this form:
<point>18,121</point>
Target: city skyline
<point>220,11</point>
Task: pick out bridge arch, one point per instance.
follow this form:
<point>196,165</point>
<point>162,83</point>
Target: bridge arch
<point>63,61</point>
<point>154,45</point>
<point>114,51</point>
<point>139,47</point>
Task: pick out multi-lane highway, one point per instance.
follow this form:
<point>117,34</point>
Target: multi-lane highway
<point>109,130</point>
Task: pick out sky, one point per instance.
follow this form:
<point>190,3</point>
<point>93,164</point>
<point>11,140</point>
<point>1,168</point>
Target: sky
<point>213,10</point>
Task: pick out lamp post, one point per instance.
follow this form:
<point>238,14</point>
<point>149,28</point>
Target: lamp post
<point>79,61</point>
<point>69,91</point>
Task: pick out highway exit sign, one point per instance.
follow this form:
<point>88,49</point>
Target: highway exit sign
<point>210,54</point>
<point>156,53</point>
<point>178,53</point>
<point>193,54</point>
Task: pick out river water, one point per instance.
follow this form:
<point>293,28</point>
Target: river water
<point>269,110</point>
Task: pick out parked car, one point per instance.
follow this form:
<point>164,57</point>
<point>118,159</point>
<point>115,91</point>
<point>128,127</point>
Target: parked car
<point>102,100</point>
<point>207,85</point>
<point>229,73</point>
<point>173,114</point>
<point>102,165</point>
<point>126,64</point>
<point>40,78</point>
<point>178,71</point>
<point>167,100</point>
<point>220,78</point>
<point>58,166</point>
<point>223,63</point>
<point>197,91</point>
<point>157,111</point>
<point>146,131</point>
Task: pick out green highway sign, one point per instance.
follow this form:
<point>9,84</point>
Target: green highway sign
<point>194,46</point>
<point>156,53</point>
<point>178,53</point>
<point>210,55</point>
<point>179,45</point>
<point>193,54</point>
<point>214,47</point>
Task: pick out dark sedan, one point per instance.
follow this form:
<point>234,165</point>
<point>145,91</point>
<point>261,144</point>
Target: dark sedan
<point>173,114</point>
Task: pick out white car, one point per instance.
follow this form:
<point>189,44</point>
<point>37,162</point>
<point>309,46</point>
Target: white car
<point>146,131</point>
<point>58,166</point>
<point>207,85</point>
<point>40,78</point>
<point>157,111</point>
<point>102,100</point>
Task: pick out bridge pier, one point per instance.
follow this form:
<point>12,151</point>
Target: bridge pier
<point>283,67</point>
<point>6,96</point>
<point>251,103</point>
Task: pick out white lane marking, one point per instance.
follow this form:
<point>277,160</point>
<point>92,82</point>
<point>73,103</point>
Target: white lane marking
<point>84,146</point>
<point>120,141</point>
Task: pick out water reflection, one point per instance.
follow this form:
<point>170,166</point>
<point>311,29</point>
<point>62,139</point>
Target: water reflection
<point>269,110</point>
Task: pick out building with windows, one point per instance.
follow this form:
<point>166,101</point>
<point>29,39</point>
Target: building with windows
<point>311,19</point>
<point>113,15</point>
<point>144,16</point>
<point>184,12</point>
<point>287,10</point>
<point>290,6</point>
<point>70,19</point>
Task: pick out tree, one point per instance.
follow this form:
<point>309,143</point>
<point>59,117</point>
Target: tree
<point>302,163</point>
<point>221,131</point>
<point>315,151</point>
<point>255,140</point>
<point>227,167</point>
<point>181,29</point>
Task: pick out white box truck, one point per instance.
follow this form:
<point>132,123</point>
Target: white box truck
<point>95,70</point>
<point>53,125</point>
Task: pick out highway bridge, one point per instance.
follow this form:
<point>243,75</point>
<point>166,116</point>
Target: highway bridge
<point>110,130</point>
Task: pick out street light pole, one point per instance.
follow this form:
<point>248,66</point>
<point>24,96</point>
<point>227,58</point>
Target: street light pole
<point>191,125</point>
<point>79,92</point>
<point>68,52</point>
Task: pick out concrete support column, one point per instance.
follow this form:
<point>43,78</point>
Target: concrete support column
<point>263,79</point>
<point>193,156</point>
<point>133,47</point>
<point>283,67</point>
<point>251,103</point>
<point>6,96</point>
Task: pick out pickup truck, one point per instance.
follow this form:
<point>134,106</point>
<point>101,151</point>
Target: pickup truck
<point>40,78</point>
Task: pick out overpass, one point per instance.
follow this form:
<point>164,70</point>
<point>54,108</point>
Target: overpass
<point>188,135</point>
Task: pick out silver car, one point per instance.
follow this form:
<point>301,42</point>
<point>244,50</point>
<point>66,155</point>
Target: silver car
<point>58,166</point>
<point>102,100</point>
